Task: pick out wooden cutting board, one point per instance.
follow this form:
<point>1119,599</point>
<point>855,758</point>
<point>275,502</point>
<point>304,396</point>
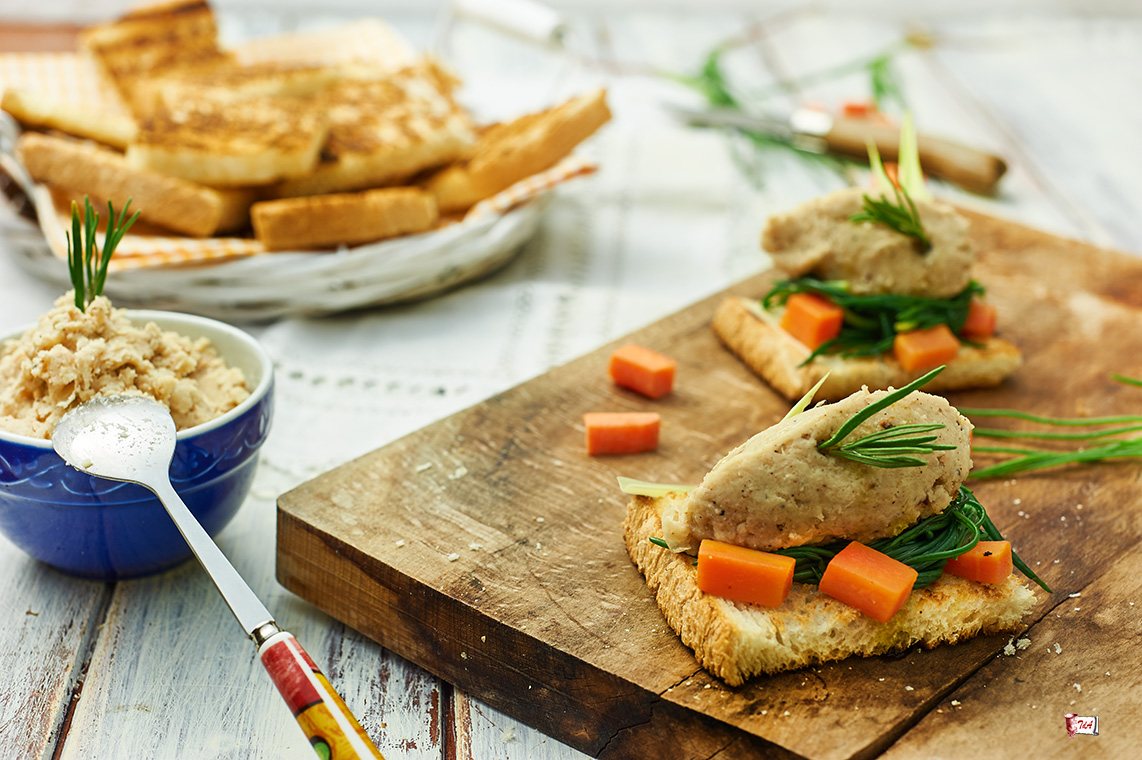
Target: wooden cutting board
<point>487,549</point>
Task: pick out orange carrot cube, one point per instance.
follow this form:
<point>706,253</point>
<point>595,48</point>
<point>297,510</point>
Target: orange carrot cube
<point>812,319</point>
<point>744,575</point>
<point>621,432</point>
<point>980,322</point>
<point>986,562</point>
<point>925,349</point>
<point>868,580</point>
<point>642,370</point>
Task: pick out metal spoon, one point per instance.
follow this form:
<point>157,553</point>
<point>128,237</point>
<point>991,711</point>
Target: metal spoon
<point>132,439</point>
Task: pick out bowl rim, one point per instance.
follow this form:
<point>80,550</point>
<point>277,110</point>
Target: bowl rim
<point>159,316</point>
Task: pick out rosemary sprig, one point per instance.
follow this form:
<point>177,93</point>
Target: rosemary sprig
<point>87,266</point>
<point>890,447</point>
<point>901,216</point>
<point>873,321</point>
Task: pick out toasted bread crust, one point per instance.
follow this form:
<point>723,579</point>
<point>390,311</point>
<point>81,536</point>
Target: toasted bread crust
<point>383,131</point>
<point>220,144</point>
<point>508,152</point>
<point>170,202</point>
<point>736,641</point>
<point>31,110</point>
<point>326,221</point>
<point>151,40</point>
<point>776,356</point>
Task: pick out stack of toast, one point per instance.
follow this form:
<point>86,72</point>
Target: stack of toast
<point>309,153</point>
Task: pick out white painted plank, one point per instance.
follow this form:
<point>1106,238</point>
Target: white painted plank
<point>49,620</point>
<point>173,676</point>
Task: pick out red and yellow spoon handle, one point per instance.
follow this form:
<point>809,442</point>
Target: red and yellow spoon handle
<point>332,730</point>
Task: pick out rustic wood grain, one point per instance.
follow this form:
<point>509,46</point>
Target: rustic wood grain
<point>1073,664</point>
<point>486,547</point>
<point>50,621</point>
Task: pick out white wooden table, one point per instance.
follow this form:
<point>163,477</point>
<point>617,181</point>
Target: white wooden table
<point>154,668</point>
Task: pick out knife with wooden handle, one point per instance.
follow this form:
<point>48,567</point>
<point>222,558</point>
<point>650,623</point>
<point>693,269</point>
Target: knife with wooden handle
<point>971,169</point>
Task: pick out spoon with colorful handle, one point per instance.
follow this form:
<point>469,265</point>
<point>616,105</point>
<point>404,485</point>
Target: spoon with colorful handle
<point>132,439</point>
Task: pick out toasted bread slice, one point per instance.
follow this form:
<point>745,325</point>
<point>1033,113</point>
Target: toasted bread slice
<point>382,131</point>
<point>227,82</point>
<point>736,641</point>
<point>777,357</point>
<point>170,202</point>
<point>221,144</point>
<point>511,151</point>
<point>152,40</point>
<point>34,111</point>
<point>327,221</point>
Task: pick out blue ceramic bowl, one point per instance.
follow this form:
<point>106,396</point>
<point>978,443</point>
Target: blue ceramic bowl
<point>106,530</point>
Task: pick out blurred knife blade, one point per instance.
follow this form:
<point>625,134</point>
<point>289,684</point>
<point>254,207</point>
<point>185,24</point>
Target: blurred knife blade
<point>819,131</point>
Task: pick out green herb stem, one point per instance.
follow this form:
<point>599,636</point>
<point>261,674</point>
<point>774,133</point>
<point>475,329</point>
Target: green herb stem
<point>1086,436</point>
<point>925,547</point>
<point>872,322</point>
<point>87,266</point>
<point>901,216</point>
<point>1031,459</point>
<point>867,445</point>
<point>1063,421</point>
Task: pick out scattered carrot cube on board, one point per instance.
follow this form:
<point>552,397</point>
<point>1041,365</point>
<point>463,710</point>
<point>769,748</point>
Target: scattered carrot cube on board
<point>925,349</point>
<point>621,432</point>
<point>643,370</point>
<point>868,580</point>
<point>744,575</point>
<point>981,320</point>
<point>812,319</point>
<point>986,562</point>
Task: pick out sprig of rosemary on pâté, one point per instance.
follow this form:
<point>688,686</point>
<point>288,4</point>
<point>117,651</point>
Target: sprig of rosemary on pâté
<point>891,447</point>
<point>872,321</point>
<point>86,265</point>
<point>901,216</point>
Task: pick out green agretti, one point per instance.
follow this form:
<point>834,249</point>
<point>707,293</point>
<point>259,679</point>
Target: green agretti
<point>873,321</point>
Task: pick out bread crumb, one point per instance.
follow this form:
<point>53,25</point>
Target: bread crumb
<point>1078,688</point>
<point>1009,649</point>
<point>539,519</point>
<point>463,655</point>
<point>453,557</point>
<point>507,735</point>
<point>1058,649</point>
<point>399,542</point>
<point>475,547</point>
<point>458,473</point>
<point>1075,595</point>
<point>1017,502</point>
<point>1022,643</point>
<point>908,688</point>
<point>484,638</point>
<point>423,467</point>
<point>956,703</point>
